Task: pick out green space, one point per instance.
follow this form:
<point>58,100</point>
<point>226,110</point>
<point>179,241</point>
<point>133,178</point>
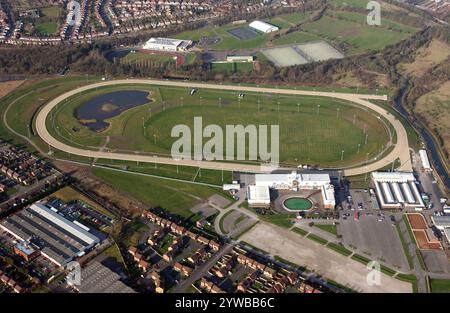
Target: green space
<point>360,36</point>
<point>339,248</point>
<point>410,279</point>
<point>440,285</point>
<point>176,197</point>
<point>147,59</point>
<point>360,259</point>
<point>47,28</point>
<point>114,252</point>
<point>298,204</point>
<point>299,231</point>
<point>312,130</point>
<point>350,28</point>
<point>317,239</point>
<point>332,229</point>
<point>52,11</point>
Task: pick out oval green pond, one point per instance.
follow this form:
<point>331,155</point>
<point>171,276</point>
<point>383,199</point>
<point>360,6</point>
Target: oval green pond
<point>298,204</point>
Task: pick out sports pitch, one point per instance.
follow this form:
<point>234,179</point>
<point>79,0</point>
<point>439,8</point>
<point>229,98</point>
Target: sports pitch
<point>313,130</point>
<point>302,54</point>
<point>243,33</point>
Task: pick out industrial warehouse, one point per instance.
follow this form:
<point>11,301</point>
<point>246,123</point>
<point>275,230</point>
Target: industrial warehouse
<point>57,238</point>
<point>263,27</point>
<point>259,194</point>
<point>396,190</point>
<point>167,44</point>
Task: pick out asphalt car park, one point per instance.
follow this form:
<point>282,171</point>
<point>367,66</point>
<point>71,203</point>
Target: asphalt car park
<point>374,235</point>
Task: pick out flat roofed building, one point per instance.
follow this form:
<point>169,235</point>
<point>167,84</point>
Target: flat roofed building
<point>258,196</point>
<point>396,190</point>
<point>399,177</point>
<point>292,180</point>
<point>295,181</point>
<point>167,44</point>
<point>263,27</point>
<point>240,58</point>
<point>59,239</point>
<point>425,161</point>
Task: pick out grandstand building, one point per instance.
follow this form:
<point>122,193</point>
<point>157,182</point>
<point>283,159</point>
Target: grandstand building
<point>57,238</point>
<point>397,190</point>
<point>263,27</point>
<point>295,182</point>
<point>167,44</point>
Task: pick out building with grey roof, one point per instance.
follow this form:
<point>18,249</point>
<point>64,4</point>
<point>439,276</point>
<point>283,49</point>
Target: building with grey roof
<point>59,239</point>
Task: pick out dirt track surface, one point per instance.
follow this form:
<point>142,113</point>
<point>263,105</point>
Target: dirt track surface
<point>332,265</point>
<point>401,148</point>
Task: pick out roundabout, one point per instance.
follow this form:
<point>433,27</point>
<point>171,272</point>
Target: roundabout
<point>149,157</point>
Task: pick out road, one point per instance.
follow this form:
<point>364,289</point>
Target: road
<point>200,271</point>
<point>400,150</point>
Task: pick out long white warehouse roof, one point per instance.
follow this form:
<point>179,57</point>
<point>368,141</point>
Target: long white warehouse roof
<point>425,160</point>
<point>398,177</point>
<point>263,26</point>
<point>65,224</point>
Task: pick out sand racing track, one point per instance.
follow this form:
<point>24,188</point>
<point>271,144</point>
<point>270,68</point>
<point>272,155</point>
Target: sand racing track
<point>400,150</point>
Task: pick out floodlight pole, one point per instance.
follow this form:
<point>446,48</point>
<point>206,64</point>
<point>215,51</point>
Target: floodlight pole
<point>342,155</point>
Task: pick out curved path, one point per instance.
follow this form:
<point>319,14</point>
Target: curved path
<point>400,151</point>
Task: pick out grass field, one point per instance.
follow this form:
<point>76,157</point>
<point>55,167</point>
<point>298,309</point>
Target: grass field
<point>308,134</point>
<point>176,197</point>
<point>359,35</point>
<point>147,59</point>
<point>348,27</point>
<point>48,28</point>
<point>440,285</point>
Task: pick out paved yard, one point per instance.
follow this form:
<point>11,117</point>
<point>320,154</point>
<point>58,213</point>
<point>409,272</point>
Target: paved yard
<point>436,261</point>
<point>378,239</point>
<point>330,264</point>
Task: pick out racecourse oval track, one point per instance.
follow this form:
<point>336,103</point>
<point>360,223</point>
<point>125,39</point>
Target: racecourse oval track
<point>400,150</point>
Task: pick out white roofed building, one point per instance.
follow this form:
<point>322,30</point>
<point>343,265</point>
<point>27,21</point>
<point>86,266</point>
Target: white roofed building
<point>258,196</point>
<point>263,27</point>
<point>396,190</point>
<point>167,44</point>
<point>59,239</point>
<point>425,161</point>
<point>295,181</point>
